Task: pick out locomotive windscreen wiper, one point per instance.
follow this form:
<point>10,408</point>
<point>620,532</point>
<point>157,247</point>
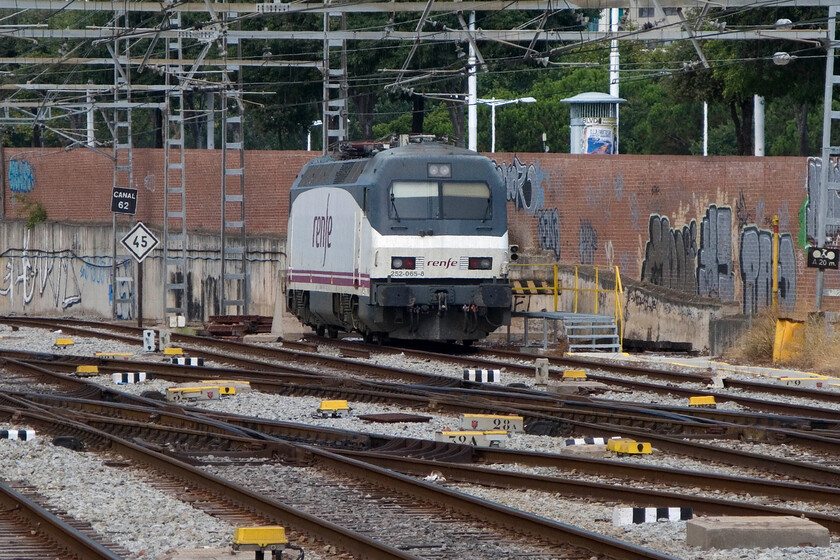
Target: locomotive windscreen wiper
<point>394,206</point>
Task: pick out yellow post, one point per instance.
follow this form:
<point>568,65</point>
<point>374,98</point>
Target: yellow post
<point>555,287</point>
<point>619,312</point>
<point>775,292</point>
<point>576,288</point>
<point>597,287</point>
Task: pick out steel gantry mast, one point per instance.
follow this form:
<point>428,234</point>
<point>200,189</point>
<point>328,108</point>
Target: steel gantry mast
<point>234,239</point>
<point>334,128</point>
<point>122,297</point>
<point>174,266</point>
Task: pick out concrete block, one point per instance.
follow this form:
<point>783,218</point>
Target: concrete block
<point>755,532</point>
<point>576,387</point>
<point>599,451</point>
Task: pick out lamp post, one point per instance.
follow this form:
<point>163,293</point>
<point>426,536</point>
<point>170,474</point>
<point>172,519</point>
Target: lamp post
<point>493,103</point>
<point>309,135</point>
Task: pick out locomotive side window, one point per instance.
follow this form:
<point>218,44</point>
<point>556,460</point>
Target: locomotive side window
<point>414,199</point>
<point>466,201</point>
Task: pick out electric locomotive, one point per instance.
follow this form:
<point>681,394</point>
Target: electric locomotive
<point>406,243</point>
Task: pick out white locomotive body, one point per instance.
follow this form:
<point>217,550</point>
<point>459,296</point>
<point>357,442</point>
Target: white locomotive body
<point>410,243</point>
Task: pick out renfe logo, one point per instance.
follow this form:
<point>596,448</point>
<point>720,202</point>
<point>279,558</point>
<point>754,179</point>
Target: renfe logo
<point>449,263</point>
<point>322,230</point>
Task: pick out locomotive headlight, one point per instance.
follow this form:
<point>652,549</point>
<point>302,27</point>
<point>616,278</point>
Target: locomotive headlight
<point>480,263</point>
<point>439,170</point>
<point>402,263</point>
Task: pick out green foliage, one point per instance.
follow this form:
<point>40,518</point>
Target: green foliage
<point>664,85</point>
<point>32,209</point>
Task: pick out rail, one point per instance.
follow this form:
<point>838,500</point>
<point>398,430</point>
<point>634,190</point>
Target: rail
<point>556,287</point>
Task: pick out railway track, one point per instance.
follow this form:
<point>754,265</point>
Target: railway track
<point>671,429</point>
<point>303,358</point>
<point>190,439</point>
<point>30,530</point>
<point>575,414</point>
<point>544,413</point>
<point>426,502</point>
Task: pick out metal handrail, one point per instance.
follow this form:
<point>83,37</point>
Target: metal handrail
<point>556,288</point>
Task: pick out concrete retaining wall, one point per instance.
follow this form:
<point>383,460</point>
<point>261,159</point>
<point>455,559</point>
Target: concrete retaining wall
<point>56,269</point>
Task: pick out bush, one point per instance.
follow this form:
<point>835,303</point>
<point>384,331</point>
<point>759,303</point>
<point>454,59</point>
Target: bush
<point>32,209</point>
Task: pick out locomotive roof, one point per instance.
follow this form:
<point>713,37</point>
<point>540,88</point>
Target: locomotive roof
<point>327,170</point>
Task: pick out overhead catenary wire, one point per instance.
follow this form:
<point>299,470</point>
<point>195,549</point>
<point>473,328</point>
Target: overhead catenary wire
<point>496,66</point>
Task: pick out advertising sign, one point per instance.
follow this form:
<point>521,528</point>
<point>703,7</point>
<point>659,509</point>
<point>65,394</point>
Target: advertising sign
<point>599,135</point>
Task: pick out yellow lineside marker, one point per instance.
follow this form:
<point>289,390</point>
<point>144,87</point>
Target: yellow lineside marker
<point>64,342</point>
<point>574,374</point>
<point>173,351</point>
<point>333,406</point>
<point>703,402</point>
<point>629,447</point>
<point>87,369</point>
<point>263,537</point>
<point>122,355</point>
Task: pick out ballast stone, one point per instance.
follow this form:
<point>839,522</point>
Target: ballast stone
<point>755,532</point>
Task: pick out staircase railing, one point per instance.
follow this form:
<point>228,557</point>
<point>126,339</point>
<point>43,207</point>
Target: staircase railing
<point>554,287</point>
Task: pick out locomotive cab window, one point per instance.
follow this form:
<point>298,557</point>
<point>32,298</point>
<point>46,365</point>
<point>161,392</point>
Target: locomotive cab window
<point>449,200</point>
<point>414,199</point>
<point>466,201</point>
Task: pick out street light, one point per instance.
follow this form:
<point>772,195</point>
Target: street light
<point>309,135</point>
<point>493,103</point>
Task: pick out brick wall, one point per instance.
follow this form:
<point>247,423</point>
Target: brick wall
<point>75,186</point>
<point>694,224</point>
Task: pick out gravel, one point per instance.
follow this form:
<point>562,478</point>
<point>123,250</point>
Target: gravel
<point>148,522</point>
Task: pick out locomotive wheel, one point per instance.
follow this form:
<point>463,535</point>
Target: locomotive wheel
<point>320,329</point>
<point>332,332</point>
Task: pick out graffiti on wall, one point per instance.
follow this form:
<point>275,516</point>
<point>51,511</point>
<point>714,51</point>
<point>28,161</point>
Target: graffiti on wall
<point>524,184</point>
<point>49,279</point>
<point>715,276</point>
<point>670,255</point>
<point>48,276</point>
<point>548,230</point>
<point>587,242</point>
<point>21,176</point>
<point>757,266</point>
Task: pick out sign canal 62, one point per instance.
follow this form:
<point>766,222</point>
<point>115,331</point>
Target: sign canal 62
<point>124,200</point>
<point>825,257</point>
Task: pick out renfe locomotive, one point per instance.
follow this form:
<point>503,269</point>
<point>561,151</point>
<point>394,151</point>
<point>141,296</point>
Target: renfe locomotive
<point>407,243</point>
